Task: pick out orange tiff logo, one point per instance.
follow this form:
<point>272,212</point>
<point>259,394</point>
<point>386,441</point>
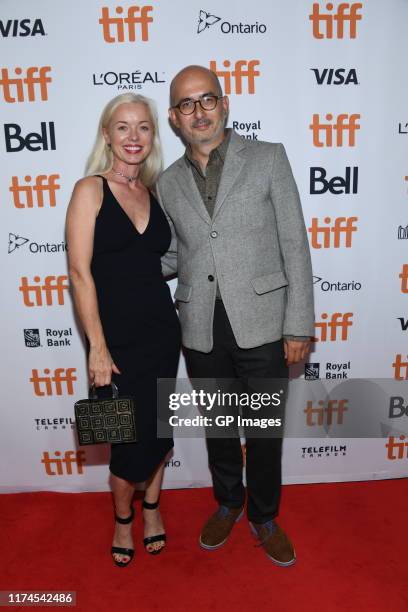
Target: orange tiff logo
<point>63,465</point>
<point>234,79</point>
<point>404,278</point>
<point>400,368</point>
<point>324,412</point>
<point>323,133</point>
<point>53,384</point>
<point>331,24</point>
<point>339,322</point>
<point>34,194</point>
<point>115,29</point>
<point>22,86</point>
<point>397,450</point>
<point>35,293</point>
<point>330,235</point>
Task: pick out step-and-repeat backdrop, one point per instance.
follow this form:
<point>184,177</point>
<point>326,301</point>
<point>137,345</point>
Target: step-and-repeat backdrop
<point>328,79</point>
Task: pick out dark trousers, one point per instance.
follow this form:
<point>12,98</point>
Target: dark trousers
<point>263,455</point>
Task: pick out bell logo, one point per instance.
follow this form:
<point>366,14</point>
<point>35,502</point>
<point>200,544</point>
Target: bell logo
<point>337,322</point>
<point>343,123</point>
<point>54,286</point>
<point>53,384</point>
<point>332,24</point>
<point>22,87</point>
<point>116,28</point>
<point>400,368</point>
<point>404,278</point>
<point>397,450</point>
<point>324,412</point>
<point>33,141</point>
<point>342,227</point>
<point>34,194</point>
<point>243,69</point>
<point>63,466</point>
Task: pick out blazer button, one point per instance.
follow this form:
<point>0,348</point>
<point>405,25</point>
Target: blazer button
<point>214,234</point>
<point>210,278</point>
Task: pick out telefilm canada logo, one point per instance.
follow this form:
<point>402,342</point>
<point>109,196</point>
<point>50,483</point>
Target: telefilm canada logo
<point>16,242</point>
<point>322,452</point>
<point>207,20</point>
<point>54,423</point>
<point>128,81</point>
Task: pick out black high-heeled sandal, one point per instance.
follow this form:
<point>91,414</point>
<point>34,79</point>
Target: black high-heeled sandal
<point>160,537</point>
<point>129,552</point>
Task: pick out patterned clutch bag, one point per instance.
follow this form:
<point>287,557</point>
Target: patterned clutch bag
<point>109,420</point>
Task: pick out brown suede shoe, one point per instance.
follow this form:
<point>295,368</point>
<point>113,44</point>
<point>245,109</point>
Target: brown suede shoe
<point>275,543</point>
<point>218,527</point>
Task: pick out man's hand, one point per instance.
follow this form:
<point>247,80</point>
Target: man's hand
<point>295,350</point>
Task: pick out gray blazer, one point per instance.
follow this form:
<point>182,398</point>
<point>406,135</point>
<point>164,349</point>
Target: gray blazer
<point>255,246</point>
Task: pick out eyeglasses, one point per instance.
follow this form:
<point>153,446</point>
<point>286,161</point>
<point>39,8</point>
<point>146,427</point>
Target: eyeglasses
<point>187,107</point>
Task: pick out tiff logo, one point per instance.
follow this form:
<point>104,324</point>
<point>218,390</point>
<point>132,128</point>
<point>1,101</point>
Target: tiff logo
<point>115,29</point>
<point>323,133</point>
<point>400,368</point>
<point>401,448</point>
<point>331,25</point>
<point>54,286</point>
<point>325,411</point>
<point>233,79</point>
<point>28,196</point>
<point>342,227</point>
<point>337,322</point>
<point>22,87</point>
<point>53,384</point>
<point>63,465</point>
<point>404,278</point>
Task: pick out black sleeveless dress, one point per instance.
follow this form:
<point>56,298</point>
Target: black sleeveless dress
<point>139,321</point>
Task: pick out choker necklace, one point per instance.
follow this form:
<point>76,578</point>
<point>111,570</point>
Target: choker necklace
<point>128,178</point>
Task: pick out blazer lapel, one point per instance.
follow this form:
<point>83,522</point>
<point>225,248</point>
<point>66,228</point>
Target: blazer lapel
<point>233,164</point>
<point>189,187</point>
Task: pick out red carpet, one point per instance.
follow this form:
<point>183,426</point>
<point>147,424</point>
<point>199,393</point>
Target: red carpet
<point>351,541</point>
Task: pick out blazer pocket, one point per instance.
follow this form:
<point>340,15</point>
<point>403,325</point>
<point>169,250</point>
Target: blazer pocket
<point>183,293</point>
<point>269,282</point>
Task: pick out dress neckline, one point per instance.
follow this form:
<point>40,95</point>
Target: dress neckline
<point>125,213</point>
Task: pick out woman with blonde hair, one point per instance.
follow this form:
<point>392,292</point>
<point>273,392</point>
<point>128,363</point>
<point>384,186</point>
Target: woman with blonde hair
<point>117,233</point>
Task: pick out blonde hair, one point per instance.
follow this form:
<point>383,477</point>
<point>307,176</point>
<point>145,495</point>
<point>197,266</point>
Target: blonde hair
<point>101,159</point>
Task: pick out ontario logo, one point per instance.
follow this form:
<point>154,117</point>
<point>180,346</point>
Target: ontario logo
<point>207,20</point>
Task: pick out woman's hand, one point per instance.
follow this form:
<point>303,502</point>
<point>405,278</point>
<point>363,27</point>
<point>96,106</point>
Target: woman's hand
<point>101,366</point>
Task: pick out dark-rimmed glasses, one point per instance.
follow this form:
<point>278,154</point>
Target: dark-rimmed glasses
<point>207,103</point>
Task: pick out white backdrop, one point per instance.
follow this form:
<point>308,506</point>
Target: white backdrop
<point>286,66</point>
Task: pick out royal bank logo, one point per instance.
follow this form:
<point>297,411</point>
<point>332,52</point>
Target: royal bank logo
<point>249,130</point>
<point>32,338</point>
<point>15,242</point>
<point>128,81</point>
<point>207,20</point>
<point>54,338</point>
<point>312,371</point>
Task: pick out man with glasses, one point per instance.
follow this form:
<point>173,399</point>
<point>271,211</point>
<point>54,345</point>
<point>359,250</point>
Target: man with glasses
<point>244,291</point>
